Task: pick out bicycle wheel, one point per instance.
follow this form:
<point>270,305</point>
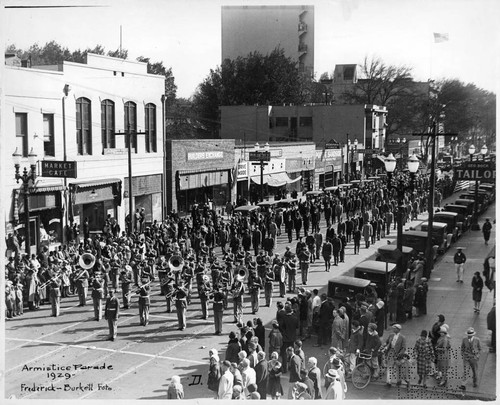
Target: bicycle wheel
<point>361,376</point>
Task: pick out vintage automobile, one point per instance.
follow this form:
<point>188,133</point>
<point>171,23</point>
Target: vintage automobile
<point>482,199</point>
<point>379,273</point>
<point>463,216</point>
<point>418,241</point>
<point>389,253</point>
<point>440,235</point>
<point>466,203</point>
<point>342,288</point>
<point>451,219</point>
<point>287,202</point>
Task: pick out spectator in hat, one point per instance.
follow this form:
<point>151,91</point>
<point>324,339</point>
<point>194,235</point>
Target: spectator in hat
<point>471,350</point>
<point>395,351</point>
<point>335,389</point>
<point>424,353</point>
<point>355,343</point>
<point>314,373</point>
<point>486,229</point>
<point>372,347</point>
<point>477,285</point>
<point>274,387</point>
<point>275,339</point>
<point>442,350</point>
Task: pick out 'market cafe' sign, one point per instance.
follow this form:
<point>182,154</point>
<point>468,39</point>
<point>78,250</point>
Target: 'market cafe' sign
<point>58,168</point>
<point>477,170</point>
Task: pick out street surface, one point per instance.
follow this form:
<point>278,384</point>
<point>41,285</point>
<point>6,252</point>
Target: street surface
<point>79,363</point>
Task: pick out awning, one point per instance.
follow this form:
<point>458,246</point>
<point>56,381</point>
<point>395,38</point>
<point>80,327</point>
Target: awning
<point>95,183</point>
<point>275,179</point>
<point>47,188</point>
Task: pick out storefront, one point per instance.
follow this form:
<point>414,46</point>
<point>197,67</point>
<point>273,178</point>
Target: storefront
<point>94,200</point>
<point>147,194</point>
<point>46,216</point>
<point>200,172</point>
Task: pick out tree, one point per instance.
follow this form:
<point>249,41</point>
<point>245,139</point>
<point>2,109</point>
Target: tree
<point>390,86</point>
<point>250,80</point>
<point>157,68</point>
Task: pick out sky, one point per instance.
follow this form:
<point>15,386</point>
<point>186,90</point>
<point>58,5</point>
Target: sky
<point>186,34</point>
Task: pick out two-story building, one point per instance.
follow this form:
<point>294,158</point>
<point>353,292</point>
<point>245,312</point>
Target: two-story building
<point>80,114</point>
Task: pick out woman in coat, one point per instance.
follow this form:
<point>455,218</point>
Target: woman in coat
<point>477,285</point>
<point>424,353</point>
<point>214,372</point>
<point>274,387</point>
<point>175,389</point>
<point>443,350</point>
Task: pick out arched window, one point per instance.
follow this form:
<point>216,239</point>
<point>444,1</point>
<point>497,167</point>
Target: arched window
<point>108,124</point>
<point>83,126</point>
<point>130,123</point>
<point>150,126</point>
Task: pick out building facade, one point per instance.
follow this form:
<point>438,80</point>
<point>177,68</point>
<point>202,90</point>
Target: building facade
<point>79,113</point>
<point>199,171</point>
<point>246,29</point>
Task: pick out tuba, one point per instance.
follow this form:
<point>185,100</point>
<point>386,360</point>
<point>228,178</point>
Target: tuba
<point>241,273</point>
<point>87,261</point>
<point>176,263</point>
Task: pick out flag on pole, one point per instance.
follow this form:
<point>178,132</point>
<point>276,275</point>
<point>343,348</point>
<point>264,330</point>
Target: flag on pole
<point>440,37</point>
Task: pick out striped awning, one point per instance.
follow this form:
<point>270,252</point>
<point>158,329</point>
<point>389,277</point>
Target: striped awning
<point>95,183</point>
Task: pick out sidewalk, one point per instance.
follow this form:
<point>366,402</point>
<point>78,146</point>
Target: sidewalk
<point>454,301</point>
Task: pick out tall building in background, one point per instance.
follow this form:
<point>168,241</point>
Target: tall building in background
<point>247,29</point>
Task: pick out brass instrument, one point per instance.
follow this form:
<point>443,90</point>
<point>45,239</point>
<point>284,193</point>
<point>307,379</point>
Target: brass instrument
<point>176,263</point>
<point>87,261</point>
<point>143,285</point>
<point>55,277</point>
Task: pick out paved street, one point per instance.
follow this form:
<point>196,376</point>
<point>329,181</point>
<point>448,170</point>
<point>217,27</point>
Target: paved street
<point>140,362</point>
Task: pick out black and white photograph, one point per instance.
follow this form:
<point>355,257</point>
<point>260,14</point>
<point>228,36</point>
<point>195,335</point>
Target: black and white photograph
<point>248,200</point>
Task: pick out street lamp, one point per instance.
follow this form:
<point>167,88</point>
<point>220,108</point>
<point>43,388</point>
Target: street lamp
<point>25,178</point>
<point>262,156</point>
<point>350,151</point>
<point>475,225</point>
<point>401,188</point>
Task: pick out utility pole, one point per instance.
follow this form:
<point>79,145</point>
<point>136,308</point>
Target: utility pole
<point>433,136</point>
<point>128,138</point>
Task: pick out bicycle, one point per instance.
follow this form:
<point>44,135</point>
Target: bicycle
<point>362,373</point>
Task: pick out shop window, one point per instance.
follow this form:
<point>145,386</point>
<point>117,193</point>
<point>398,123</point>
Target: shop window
<point>306,121</point>
<point>22,133</point>
<point>130,123</point>
<point>48,135</point>
<point>150,114</point>
<point>83,126</point>
<point>108,124</point>
<point>282,121</point>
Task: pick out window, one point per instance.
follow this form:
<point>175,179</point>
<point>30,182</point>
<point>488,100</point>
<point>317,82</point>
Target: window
<point>108,124</point>
<point>48,135</point>
<point>349,73</point>
<point>150,115</point>
<point>83,126</point>
<point>282,121</point>
<point>306,121</point>
<point>22,133</point>
<point>130,123</point>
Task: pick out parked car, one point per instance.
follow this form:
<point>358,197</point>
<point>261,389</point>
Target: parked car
<point>440,235</point>
<point>418,241</point>
<point>463,216</point>
<point>388,253</point>
<point>379,273</point>
<point>342,288</point>
<point>451,219</point>
<point>466,203</point>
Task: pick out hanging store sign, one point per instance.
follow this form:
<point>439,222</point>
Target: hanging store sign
<point>58,168</point>
<point>264,156</point>
<point>476,171</point>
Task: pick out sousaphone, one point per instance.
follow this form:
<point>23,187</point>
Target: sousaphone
<point>87,261</point>
<point>176,263</point>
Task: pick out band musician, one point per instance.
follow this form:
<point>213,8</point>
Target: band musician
<point>126,279</point>
<point>144,301</point>
<point>237,291</point>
